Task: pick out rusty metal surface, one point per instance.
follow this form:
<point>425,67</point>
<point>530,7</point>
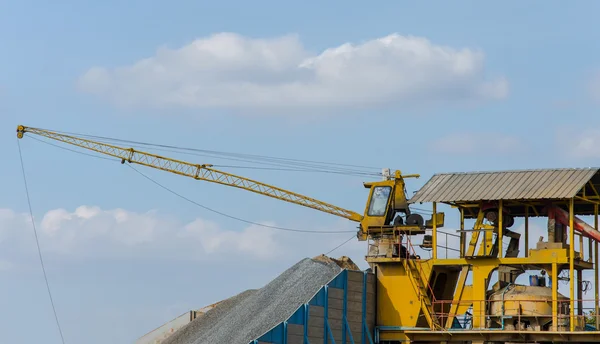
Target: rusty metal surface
<point>505,185</point>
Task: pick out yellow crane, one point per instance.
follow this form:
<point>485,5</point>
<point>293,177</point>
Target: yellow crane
<point>421,300</point>
<point>387,198</point>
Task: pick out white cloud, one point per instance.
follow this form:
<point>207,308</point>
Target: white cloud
<point>476,142</point>
<point>255,240</point>
<point>232,71</point>
<point>91,232</point>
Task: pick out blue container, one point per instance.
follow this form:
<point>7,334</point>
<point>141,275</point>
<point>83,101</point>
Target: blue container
<point>549,282</point>
<point>533,280</point>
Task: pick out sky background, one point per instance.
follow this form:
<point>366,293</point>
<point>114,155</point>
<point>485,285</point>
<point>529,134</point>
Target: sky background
<point>424,88</point>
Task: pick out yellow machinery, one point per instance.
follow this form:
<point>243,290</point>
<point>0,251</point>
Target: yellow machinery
<point>386,200</point>
<point>443,300</point>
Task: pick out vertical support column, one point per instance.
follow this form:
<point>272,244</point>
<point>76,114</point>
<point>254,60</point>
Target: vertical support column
<point>363,337</point>
<point>345,307</point>
<point>554,297</point>
<point>500,227</point>
<point>590,250</point>
<point>481,276</point>
<point>527,231</point>
<point>434,231</point>
<point>462,233</point>
<point>306,317</point>
<point>579,292</point>
<point>597,294</point>
<point>581,246</point>
<point>572,264</point>
<point>326,314</point>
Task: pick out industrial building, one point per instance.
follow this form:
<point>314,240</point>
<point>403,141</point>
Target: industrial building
<point>404,297</point>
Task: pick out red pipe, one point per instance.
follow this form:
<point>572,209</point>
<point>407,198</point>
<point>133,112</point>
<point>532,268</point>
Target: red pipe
<point>562,216</point>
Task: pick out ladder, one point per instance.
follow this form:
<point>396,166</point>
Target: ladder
<point>426,305</point>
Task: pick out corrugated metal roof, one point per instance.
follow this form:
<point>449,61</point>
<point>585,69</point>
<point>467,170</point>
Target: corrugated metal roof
<point>505,185</point>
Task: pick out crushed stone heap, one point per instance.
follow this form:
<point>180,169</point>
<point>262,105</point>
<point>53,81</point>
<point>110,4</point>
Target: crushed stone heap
<point>246,316</point>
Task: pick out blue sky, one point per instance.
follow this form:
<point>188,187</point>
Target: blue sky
<point>425,88</point>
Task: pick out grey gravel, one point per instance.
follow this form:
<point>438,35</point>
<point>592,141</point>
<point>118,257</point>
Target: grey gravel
<point>189,332</point>
<point>249,315</point>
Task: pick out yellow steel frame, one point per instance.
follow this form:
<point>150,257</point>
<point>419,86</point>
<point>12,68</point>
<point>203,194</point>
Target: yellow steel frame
<point>196,171</point>
<point>369,224</point>
<point>478,262</point>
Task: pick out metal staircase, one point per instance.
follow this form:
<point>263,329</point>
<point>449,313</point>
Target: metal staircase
<point>416,274</point>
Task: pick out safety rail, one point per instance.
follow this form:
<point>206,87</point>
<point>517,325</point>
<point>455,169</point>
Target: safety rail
<point>523,314</point>
<point>445,247</point>
<point>396,237</point>
<point>409,257</point>
<point>422,281</point>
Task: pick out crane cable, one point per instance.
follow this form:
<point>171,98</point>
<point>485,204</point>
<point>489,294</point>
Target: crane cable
<point>306,165</point>
<point>231,216</point>
<point>38,244</point>
<point>47,283</point>
<point>192,201</point>
<point>340,245</point>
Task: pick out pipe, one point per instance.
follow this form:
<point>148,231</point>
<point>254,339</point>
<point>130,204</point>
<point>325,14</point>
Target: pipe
<point>503,292</point>
<point>563,217</point>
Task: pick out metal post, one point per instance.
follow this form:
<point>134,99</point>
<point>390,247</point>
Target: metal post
<point>579,292</point>
<point>526,231</point>
<point>572,264</point>
<point>596,296</point>
<point>462,233</point>
<point>446,245</point>
<point>554,297</point>
<point>590,250</point>
<point>500,229</point>
<point>345,308</point>
<point>581,246</point>
<point>434,232</point>
<point>326,315</point>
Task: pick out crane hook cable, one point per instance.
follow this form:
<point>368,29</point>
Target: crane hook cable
<point>340,245</point>
<point>38,244</point>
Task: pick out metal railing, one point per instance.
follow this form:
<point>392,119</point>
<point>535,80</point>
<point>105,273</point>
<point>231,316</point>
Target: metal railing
<point>523,314</point>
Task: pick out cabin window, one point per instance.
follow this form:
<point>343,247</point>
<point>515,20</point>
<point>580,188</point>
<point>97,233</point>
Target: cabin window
<point>379,200</point>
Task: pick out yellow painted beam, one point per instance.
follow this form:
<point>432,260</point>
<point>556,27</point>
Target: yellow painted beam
<point>537,257</point>
<point>526,231</point>
<point>462,233</point>
<point>500,227</point>
<point>547,256</point>
<point>481,281</point>
<point>572,264</point>
<point>434,232</point>
<point>462,278</point>
<point>579,292</point>
<point>554,297</point>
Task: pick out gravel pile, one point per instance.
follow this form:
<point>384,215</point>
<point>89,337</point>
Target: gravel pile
<point>189,332</point>
<point>250,314</point>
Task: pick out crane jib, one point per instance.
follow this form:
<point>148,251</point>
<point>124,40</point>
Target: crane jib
<point>199,172</point>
